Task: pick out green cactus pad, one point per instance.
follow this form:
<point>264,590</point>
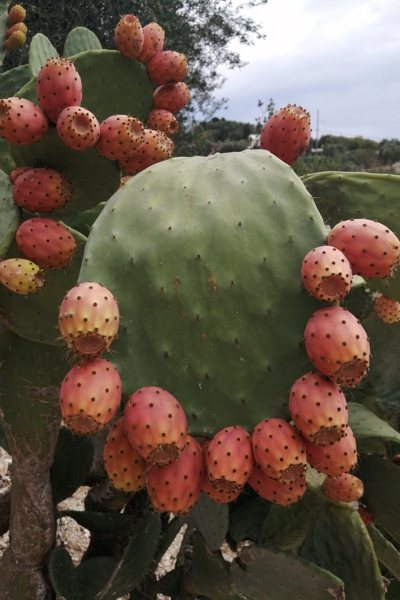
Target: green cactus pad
<point>93,574</point>
<point>246,520</point>
<point>167,537</point>
<point>203,255</point>
<point>211,519</point>
<point>370,431</point>
<point>385,552</point>
<point>393,592</point>
<point>83,221</point>
<point>40,50</point>
<point>63,575</point>
<point>3,29</point>
<point>73,459</point>
<point>13,80</point>
<point>171,584</point>
<point>9,215</point>
<point>79,40</point>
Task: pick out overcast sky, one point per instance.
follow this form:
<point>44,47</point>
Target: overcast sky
<point>341,57</point>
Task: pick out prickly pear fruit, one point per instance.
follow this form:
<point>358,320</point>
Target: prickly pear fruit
<point>41,190</point>
<point>16,40</point>
<point>287,133</point>
<point>17,27</point>
<point>336,458</point>
<point>21,121</point>
<point>46,242</point>
<point>172,97</point>
<point>388,310</point>
<point>163,120</point>
<point>167,67</point>
<point>156,425</point>
<point>372,249</point>
<point>58,86</point>
<point>17,172</point>
<point>337,345</point>
<point>120,137</point>
<point>344,488</point>
<point>155,148</point>
<point>229,459</point>
<point>326,274</point>
<point>153,42</point>
<point>219,494</point>
<point>78,128</point>
<point>318,409</point>
<point>365,515</point>
<point>124,466</point>
<point>176,487</point>
<point>16,15</point>
<point>21,276</point>
<point>279,450</point>
<point>276,490</point>
<point>128,36</point>
<point>89,319</point>
<point>90,395</point>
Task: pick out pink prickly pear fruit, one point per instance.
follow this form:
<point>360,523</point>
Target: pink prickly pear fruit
<point>128,36</point>
<point>16,15</point>
<point>16,40</point>
<point>90,395</point>
<point>153,42</point>
<point>17,172</point>
<point>46,242</point>
<point>156,425</point>
<point>176,487</point>
<point>229,459</point>
<point>287,133</point>
<point>120,137</point>
<point>21,121</point>
<point>365,515</point>
<point>41,190</point>
<point>318,409</point>
<point>326,274</point>
<point>344,488</point>
<point>167,67</point>
<point>337,345</point>
<point>219,494</point>
<point>275,490</point>
<point>279,450</point>
<point>372,249</point>
<point>125,467</point>
<point>89,319</point>
<point>172,97</point>
<point>336,458</point>
<point>163,120</point>
<point>78,128</point>
<point>396,460</point>
<point>17,27</point>
<point>21,276</point>
<point>156,147</point>
<point>387,309</point>
<point>58,86</point>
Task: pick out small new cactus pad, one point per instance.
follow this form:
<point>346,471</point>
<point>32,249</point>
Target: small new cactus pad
<point>218,493</point>
<point>172,97</point>
<point>120,137</point>
<point>89,319</point>
<point>128,36</point>
<point>78,128</point>
<point>58,86</point>
<point>344,488</point>
<point>167,67</point>
<point>21,121</point>
<point>16,40</point>
<point>318,408</point>
<point>387,309</point>
<point>156,425</point>
<point>41,190</point>
<point>21,276</point>
<point>46,242</point>
<point>279,450</point>
<point>90,395</point>
<point>337,345</point>
<point>156,147</point>
<point>326,274</point>
<point>287,133</point>
<point>16,15</point>
<point>276,490</point>
<point>372,249</point>
<point>336,458</point>
<point>153,41</point>
<point>163,120</point>
<point>125,467</point>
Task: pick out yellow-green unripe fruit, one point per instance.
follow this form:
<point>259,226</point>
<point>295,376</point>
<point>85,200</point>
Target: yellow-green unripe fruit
<point>16,40</point>
<point>16,15</point>
<point>21,275</point>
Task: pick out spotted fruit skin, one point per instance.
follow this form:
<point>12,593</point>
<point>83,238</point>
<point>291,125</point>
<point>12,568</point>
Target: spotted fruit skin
<point>17,27</point>
<point>365,515</point>
<point>90,395</point>
<point>124,466</point>
<point>15,173</point>
<point>120,137</point>
<point>89,319</point>
<point>21,121</point>
<point>58,86</point>
<point>337,345</point>
<point>163,120</point>
<point>334,459</point>
<point>172,97</point>
<point>78,128</point>
<point>16,14</point>
<point>156,147</point>
<point>326,274</point>
<point>274,490</point>
<point>41,190</point>
<point>16,40</point>
<point>387,309</point>
<point>156,425</point>
<point>344,488</point>
<point>176,487</point>
<point>318,408</point>
<point>21,276</point>
<point>128,36</point>
<point>218,494</point>
<point>153,42</point>
<point>167,67</point>
<point>46,242</point>
<point>287,133</point>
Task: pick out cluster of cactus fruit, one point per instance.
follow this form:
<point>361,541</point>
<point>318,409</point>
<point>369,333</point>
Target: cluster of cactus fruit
<point>17,30</point>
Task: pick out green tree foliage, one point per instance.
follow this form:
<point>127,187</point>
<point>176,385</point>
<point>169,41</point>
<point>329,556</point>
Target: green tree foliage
<point>389,151</point>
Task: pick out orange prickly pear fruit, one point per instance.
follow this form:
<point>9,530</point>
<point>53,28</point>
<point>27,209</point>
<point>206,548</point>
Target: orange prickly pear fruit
<point>16,15</point>
<point>287,133</point>
<point>21,276</point>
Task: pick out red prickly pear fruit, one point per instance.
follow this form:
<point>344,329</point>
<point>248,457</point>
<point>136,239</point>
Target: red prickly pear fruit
<point>153,42</point>
<point>58,86</point>
<point>396,460</point>
<point>21,276</point>
<point>344,488</point>
<point>337,345</point>
<point>171,97</point>
<point>167,67</point>
<point>41,190</point>
<point>21,121</point>
<point>120,137</point>
<point>279,450</point>
<point>275,490</point>
<point>125,467</point>
<point>287,133</point>
<point>17,27</point>
<point>156,425</point>
<point>17,172</point>
<point>176,487</point>
<point>163,120</point>
<point>365,515</point>
<point>336,458</point>
<point>89,319</point>
<point>156,147</point>
<point>90,395</point>
<point>229,459</point>
<point>16,40</point>
<point>326,274</point>
<point>372,249</point>
<point>219,494</point>
<point>388,310</point>
<point>128,36</point>
<point>16,15</point>
<point>46,242</point>
<point>78,128</point>
<point>318,409</point>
